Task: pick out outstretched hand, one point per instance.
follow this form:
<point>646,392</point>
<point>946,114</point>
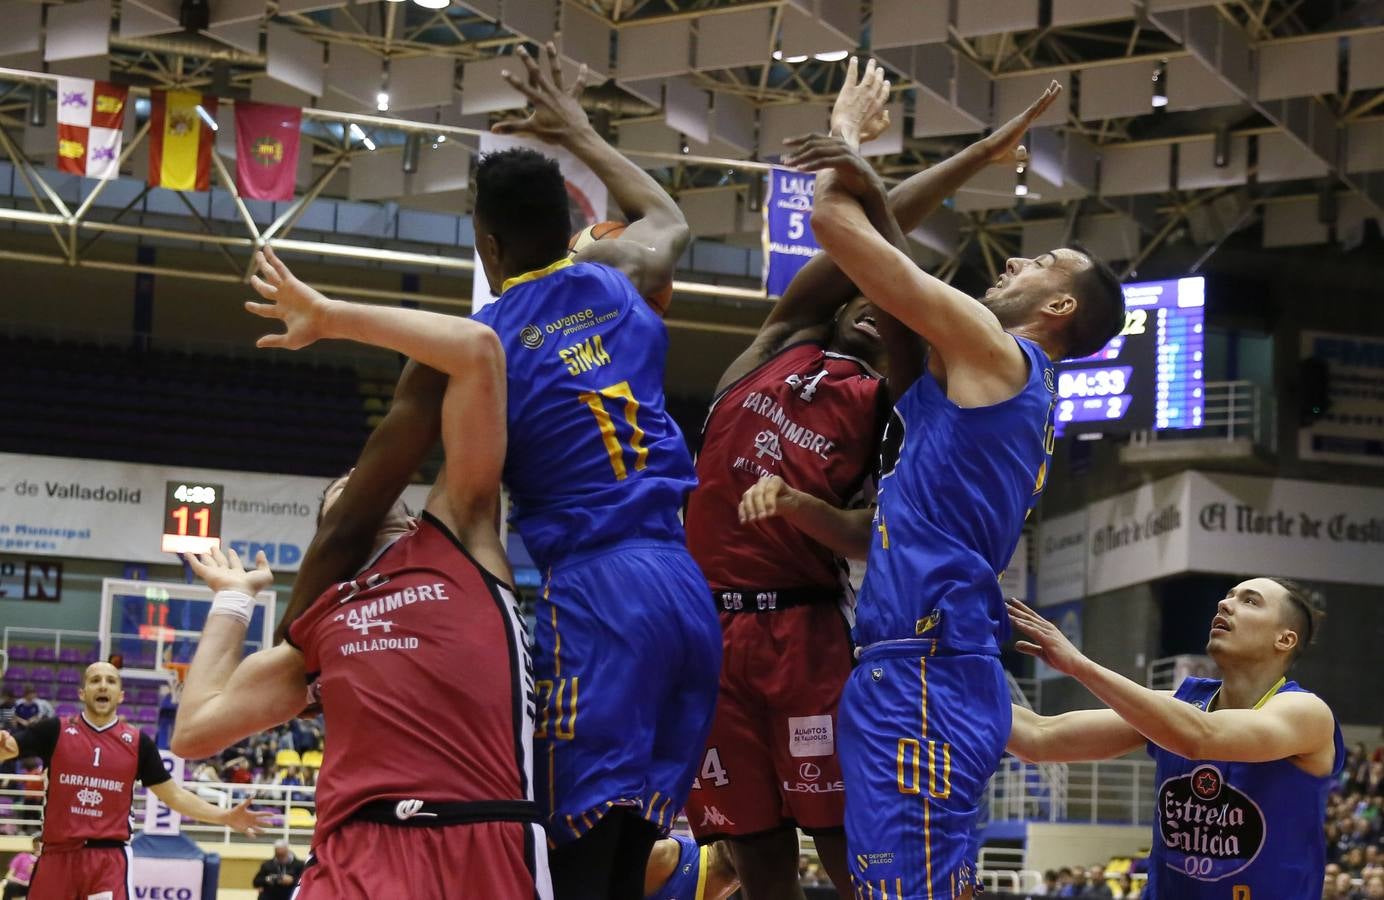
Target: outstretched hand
<point>817,152</point>
<point>249,822</point>
<point>1003,146</point>
<point>224,572</point>
<point>859,113</point>
<point>557,112</point>
<point>1048,642</point>
<point>299,306</point>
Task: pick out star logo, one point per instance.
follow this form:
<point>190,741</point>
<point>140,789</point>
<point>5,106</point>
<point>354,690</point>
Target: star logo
<point>1206,782</point>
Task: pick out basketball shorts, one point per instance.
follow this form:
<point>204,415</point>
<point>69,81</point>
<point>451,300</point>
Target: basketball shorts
<point>920,738</point>
<point>688,881</point>
<point>500,860</point>
<point>627,655</point>
<point>771,759</point>
<point>91,873</point>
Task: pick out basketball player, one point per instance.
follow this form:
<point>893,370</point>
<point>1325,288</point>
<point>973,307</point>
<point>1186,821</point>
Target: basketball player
<point>420,659</point>
<point>680,870</point>
<point>925,715</point>
<point>788,443</point>
<point>92,761</point>
<point>627,647</point>
<point>1245,763</point>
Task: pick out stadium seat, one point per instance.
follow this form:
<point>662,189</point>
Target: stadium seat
<point>66,709</point>
<point>300,818</point>
<point>69,675</point>
<point>312,759</point>
<point>68,692</point>
<point>45,654</point>
<point>21,652</point>
<point>287,757</point>
<point>41,674</point>
<point>71,655</point>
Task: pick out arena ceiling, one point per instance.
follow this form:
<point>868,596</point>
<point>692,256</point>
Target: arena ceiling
<point>1184,120</point>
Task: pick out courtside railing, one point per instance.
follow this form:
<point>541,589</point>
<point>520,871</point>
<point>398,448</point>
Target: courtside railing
<point>293,808</point>
<point>1111,792</point>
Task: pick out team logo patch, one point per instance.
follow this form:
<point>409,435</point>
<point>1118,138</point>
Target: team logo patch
<point>1211,829</point>
<point>810,736</point>
<point>877,674</point>
<point>809,771</point>
<point>531,337</point>
<point>90,797</point>
<point>127,738</point>
<point>1047,381</point>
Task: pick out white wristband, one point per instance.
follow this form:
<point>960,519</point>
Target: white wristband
<point>232,603</point>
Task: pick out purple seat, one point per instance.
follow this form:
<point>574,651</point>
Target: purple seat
<point>69,676</point>
<point>45,654</point>
<point>16,673</point>
<point>21,651</point>
<point>66,709</point>
<point>41,673</point>
<point>67,692</point>
<point>71,655</point>
<point>145,714</point>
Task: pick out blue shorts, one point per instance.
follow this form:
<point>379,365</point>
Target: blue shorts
<point>627,660</point>
<point>688,881</point>
<point>920,737</point>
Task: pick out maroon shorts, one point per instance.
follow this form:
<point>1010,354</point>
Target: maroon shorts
<point>102,873</point>
<point>771,758</point>
<point>500,860</point>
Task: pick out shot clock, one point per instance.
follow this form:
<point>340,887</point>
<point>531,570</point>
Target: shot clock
<point>191,516</point>
<point>1150,376</point>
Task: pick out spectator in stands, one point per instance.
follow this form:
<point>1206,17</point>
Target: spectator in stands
<point>27,710</point>
<point>1076,887</point>
<point>1049,886</point>
<point>7,710</point>
<point>21,871</point>
<point>279,875</point>
<point>1098,889</point>
<point>1374,888</point>
<point>1344,886</point>
<point>1126,889</point>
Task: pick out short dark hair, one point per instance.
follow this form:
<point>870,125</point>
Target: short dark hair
<point>521,197</point>
<point>1303,612</point>
<point>1100,307</point>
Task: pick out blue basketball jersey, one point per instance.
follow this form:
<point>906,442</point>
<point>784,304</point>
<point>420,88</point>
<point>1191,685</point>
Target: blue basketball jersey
<point>688,881</point>
<point>593,457</point>
<point>1237,831</point>
<point>956,486</point>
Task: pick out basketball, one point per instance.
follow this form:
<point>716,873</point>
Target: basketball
<point>602,231</point>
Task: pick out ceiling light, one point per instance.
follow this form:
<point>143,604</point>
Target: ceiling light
<point>360,135</point>
<point>369,144</point>
<point>778,55</point>
<point>1160,84</point>
<point>832,56</point>
<point>206,117</point>
<point>433,4</point>
<point>442,139</point>
<point>1020,190</point>
<point>382,101</point>
<point>1021,181</point>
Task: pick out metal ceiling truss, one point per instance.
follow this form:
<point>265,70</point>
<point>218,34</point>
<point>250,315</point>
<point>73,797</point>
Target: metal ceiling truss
<point>398,31</point>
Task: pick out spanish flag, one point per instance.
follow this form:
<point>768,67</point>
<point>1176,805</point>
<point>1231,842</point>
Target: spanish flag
<point>180,140</point>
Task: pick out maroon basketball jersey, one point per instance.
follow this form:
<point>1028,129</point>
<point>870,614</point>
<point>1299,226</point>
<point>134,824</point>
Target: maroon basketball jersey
<point>426,681</point>
<point>91,782</point>
<point>808,416</point>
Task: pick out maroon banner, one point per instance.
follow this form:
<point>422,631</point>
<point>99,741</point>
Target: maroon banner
<point>266,143</point>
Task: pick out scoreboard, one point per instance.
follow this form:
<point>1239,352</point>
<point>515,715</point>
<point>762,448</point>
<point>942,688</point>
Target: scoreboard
<point>1150,376</point>
<point>191,516</point>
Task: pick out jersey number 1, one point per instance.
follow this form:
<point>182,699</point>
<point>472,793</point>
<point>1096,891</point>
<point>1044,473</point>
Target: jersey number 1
<point>594,402</point>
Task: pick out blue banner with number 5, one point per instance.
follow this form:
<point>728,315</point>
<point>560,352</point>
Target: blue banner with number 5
<point>788,240</point>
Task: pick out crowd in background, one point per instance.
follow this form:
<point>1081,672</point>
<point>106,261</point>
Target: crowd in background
<point>1355,830</point>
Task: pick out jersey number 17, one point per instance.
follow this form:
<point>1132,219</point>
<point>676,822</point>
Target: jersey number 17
<point>595,401</point>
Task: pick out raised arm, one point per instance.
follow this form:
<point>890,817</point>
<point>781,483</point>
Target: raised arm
<point>393,452</point>
<point>657,232</point>
<point>1080,736</point>
<point>467,495</point>
<point>1288,726</point>
<point>436,340</point>
<point>226,698</point>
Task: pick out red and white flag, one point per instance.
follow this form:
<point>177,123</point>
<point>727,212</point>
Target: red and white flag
<point>91,116</point>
